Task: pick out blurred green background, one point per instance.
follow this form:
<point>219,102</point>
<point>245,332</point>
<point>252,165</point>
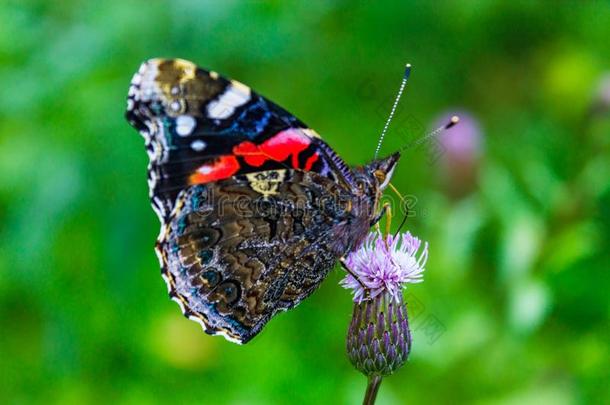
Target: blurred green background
<point>515,202</point>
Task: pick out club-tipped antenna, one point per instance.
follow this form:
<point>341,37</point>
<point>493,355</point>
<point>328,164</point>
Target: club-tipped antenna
<point>452,122</point>
<point>387,123</point>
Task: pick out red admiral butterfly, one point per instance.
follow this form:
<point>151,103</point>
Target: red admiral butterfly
<point>255,207</point>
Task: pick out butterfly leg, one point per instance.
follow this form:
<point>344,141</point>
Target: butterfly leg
<point>386,209</point>
<point>351,273</point>
<point>388,222</point>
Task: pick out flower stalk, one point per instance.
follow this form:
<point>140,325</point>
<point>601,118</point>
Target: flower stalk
<point>372,388</point>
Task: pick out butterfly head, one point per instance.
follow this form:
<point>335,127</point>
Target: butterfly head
<point>380,171</point>
<point>371,180</point>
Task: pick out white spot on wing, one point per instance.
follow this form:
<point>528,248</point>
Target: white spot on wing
<point>146,79</point>
<point>137,79</point>
<point>152,181</point>
<point>198,145</point>
<point>234,96</point>
<point>185,125</point>
<point>205,169</point>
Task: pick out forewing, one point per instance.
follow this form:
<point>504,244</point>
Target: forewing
<point>200,127</point>
<point>237,251</point>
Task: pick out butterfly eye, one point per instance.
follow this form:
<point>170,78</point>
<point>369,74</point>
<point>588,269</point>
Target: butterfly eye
<point>361,183</point>
<point>380,176</point>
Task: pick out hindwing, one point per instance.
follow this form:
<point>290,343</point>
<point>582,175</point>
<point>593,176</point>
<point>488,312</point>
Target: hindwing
<point>237,251</point>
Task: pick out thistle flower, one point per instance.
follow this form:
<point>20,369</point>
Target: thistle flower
<point>384,265</point>
<point>378,338</point>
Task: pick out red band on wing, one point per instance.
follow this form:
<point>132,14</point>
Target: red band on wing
<point>222,168</point>
<point>277,148</point>
<point>310,161</point>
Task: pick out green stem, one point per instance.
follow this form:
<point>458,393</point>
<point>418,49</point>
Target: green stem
<point>371,390</point>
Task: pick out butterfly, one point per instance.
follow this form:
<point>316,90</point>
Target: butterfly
<point>255,207</point>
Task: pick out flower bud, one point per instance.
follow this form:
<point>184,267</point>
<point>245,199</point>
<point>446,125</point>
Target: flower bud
<point>378,338</point>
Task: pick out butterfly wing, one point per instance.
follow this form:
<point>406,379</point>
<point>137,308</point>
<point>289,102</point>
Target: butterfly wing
<point>248,196</point>
<point>237,251</point>
<point>200,127</point>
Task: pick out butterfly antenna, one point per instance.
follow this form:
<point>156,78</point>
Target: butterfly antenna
<point>452,122</point>
<point>387,123</point>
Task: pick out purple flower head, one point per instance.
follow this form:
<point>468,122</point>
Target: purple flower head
<point>384,264</point>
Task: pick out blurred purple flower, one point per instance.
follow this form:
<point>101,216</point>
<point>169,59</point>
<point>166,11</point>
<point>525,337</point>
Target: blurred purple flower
<point>461,151</point>
<point>604,89</point>
<point>384,264</point>
<point>462,141</point>
<point>602,99</point>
